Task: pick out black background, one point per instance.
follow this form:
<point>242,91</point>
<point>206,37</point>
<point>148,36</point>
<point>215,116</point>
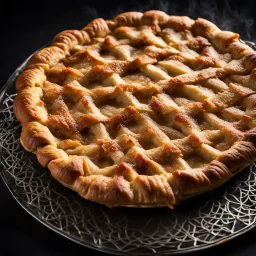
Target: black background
<point>27,26</point>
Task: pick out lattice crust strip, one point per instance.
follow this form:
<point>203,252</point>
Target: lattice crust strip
<point>142,110</point>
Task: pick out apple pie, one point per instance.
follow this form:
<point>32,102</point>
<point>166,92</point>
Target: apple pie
<point>143,110</point>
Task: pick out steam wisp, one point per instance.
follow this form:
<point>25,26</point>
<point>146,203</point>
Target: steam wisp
<point>225,14</point>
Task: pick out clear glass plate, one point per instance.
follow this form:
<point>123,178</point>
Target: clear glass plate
<point>198,223</point>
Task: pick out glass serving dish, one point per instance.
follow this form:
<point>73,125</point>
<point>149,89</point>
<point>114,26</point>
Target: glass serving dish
<point>198,223</point>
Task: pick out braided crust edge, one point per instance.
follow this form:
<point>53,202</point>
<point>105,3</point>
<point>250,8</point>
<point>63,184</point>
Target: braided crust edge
<point>143,191</point>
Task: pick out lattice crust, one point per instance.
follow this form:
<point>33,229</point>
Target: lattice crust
<point>142,110</point>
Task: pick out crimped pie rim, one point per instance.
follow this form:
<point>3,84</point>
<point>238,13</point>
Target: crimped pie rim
<point>35,136</point>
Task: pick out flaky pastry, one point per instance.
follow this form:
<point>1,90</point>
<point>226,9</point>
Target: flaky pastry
<point>144,110</point>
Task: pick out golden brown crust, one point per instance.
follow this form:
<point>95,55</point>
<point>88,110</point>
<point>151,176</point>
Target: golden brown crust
<point>250,60</point>
<point>148,163</point>
<point>48,153</point>
<point>153,18</point>
<point>180,23</point>
<point>110,191</point>
<point>251,136</point>
<point>70,38</point>
<point>28,105</point>
<point>67,170</point>
<point>205,28</point>
<point>217,172</point>
<point>50,55</point>
<point>223,38</point>
<point>31,78</point>
<point>34,135</point>
<point>130,19</point>
<point>241,154</point>
<point>186,183</point>
<point>238,50</point>
<point>152,190</point>
<point>97,28</point>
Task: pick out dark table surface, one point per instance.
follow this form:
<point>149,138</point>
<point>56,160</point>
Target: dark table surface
<point>29,26</point>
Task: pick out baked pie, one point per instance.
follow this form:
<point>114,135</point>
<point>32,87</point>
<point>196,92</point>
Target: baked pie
<point>144,110</point>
